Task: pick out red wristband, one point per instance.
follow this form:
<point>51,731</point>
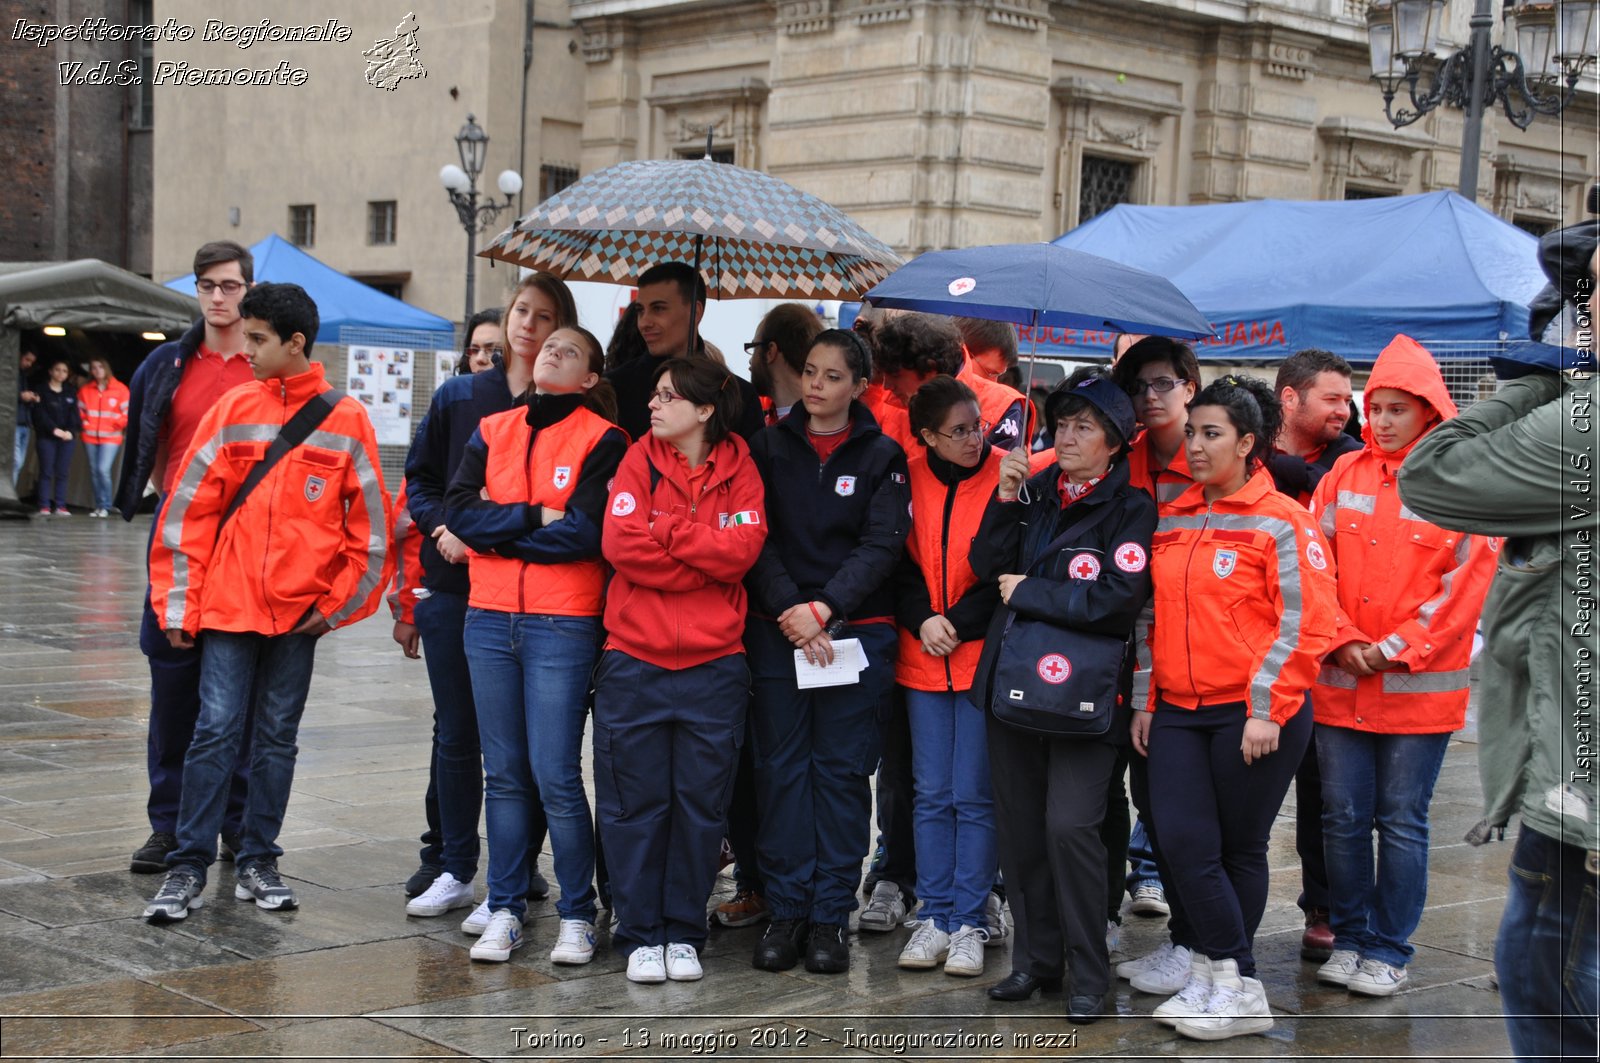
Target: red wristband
<point>813,607</point>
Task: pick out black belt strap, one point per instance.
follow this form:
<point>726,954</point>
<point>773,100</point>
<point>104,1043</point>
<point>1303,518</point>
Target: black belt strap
<point>294,432</point>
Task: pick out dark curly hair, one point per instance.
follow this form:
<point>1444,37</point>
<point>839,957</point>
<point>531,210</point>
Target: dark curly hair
<point>921,343</point>
<point>1251,405</point>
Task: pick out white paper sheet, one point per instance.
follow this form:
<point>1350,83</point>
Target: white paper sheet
<point>848,661</point>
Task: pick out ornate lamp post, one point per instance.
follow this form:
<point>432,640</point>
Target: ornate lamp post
<point>461,185</point>
<point>1555,42</point>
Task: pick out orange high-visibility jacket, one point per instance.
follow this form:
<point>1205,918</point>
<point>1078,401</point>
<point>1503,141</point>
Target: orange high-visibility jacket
<point>893,418</point>
<point>105,413</point>
<point>944,520</point>
<point>1244,601</point>
<point>408,562</point>
<point>1004,407</point>
<point>1411,587</point>
<point>313,535</point>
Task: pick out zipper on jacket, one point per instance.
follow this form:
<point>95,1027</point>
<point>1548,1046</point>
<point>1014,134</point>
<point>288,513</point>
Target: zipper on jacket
<point>1188,643</point>
<point>272,505</point>
<point>527,492</point>
<point>944,574</point>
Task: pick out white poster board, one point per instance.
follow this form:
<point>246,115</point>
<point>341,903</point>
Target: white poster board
<point>380,379</point>
<point>444,367</point>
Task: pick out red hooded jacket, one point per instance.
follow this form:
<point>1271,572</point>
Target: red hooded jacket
<point>1414,589</point>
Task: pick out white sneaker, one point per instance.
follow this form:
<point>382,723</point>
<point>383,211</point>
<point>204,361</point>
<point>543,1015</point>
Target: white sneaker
<point>683,963</point>
<point>478,921</point>
<point>1113,936</point>
<point>1151,960</point>
<point>1340,966</point>
<point>500,937</point>
<point>1374,978</point>
<point>885,909</point>
<point>965,958</point>
<point>445,895</point>
<point>927,948</point>
<point>1150,899</point>
<point>1237,1006</point>
<point>1192,998</point>
<point>574,942</point>
<point>994,920</point>
<point>645,965</point>
<point>1166,976</point>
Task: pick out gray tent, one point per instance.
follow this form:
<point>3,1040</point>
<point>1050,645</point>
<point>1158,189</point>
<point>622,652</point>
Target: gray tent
<point>86,294</point>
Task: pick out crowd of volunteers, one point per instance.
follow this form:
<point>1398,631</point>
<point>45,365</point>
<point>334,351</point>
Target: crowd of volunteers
<point>57,408</point>
<point>765,593</point>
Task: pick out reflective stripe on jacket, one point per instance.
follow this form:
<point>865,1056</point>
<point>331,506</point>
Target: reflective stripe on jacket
<point>314,534</point>
<point>408,565</point>
<point>1244,601</point>
<point>105,413</point>
<point>944,519</point>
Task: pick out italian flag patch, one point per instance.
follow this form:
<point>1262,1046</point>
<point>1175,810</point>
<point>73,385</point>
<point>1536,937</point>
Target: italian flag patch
<point>744,516</point>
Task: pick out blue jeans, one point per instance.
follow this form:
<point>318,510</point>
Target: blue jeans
<point>953,814</point>
<point>1141,858</point>
<point>24,434</point>
<point>272,672</point>
<point>1379,782</point>
<point>816,751</point>
<point>102,458</point>
<point>1545,954</point>
<point>457,776</point>
<point>530,679</point>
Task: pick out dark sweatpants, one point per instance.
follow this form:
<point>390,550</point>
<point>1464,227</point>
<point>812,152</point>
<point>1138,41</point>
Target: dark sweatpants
<point>1049,803</point>
<point>666,744</point>
<point>1215,814</point>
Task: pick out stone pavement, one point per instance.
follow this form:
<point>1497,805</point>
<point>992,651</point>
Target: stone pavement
<point>349,975</point>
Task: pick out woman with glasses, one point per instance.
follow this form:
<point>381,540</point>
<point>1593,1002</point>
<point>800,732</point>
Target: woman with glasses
<point>442,882</point>
<point>839,508</point>
<point>943,610</point>
<point>685,521</point>
<point>485,343</point>
<point>529,499</point>
<point>1069,547</point>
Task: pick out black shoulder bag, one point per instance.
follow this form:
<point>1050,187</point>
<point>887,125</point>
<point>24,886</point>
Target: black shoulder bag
<point>294,432</point>
<point>1053,680</point>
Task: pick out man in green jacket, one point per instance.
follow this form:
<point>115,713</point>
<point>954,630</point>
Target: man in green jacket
<point>1525,464</point>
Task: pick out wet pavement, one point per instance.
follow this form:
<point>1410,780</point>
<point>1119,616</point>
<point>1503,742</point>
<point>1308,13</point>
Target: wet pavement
<point>349,975</point>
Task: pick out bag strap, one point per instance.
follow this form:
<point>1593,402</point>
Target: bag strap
<point>1100,514</point>
<point>294,432</point>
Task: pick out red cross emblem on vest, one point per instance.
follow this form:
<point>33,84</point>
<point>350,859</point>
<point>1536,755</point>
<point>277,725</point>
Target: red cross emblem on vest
<point>1084,566</point>
<point>1130,557</point>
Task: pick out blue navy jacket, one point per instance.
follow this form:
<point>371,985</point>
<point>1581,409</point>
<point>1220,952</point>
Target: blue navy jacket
<point>452,418</point>
<point>149,401</point>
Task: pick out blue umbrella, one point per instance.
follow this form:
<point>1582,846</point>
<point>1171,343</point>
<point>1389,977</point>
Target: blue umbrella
<point>1041,284</point>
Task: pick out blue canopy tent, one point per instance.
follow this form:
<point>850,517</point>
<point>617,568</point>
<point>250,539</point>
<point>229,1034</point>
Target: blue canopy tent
<point>1275,276</point>
<point>342,301</point>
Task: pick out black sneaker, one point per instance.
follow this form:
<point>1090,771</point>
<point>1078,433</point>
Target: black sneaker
<point>151,857</point>
<point>179,892</point>
<point>228,846</point>
<point>260,883</point>
<point>421,879</point>
<point>539,887</point>
<point>827,952</point>
<point>779,947</point>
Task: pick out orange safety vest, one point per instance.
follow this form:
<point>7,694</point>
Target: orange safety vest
<point>314,534</point>
<point>1244,601</point>
<point>942,529</point>
<point>544,474</point>
<point>105,413</point>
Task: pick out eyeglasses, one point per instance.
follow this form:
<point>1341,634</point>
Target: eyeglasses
<point>964,432</point>
<point>663,397</point>
<point>756,345</point>
<point>228,287</point>
<point>473,350</point>
<point>1160,385</point>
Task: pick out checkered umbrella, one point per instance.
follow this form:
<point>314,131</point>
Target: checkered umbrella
<point>754,236</point>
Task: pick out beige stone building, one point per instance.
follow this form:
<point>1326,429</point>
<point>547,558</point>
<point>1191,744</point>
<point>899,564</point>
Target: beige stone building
<point>936,123</point>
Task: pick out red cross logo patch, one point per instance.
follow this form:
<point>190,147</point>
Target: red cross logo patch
<point>1054,669</point>
<point>962,285</point>
<point>1084,566</point>
<point>315,485</point>
<point>1223,563</point>
<point>1314,554</point>
<point>845,486</point>
<point>1130,557</point>
<point>622,505</point>
<point>562,477</point>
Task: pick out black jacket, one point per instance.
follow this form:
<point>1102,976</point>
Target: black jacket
<point>837,530</point>
<point>57,409</point>
<point>1297,477</point>
<point>632,381</point>
<point>1013,538</point>
<point>149,400</point>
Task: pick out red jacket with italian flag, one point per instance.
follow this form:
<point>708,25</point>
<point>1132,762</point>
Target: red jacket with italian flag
<point>1244,601</point>
<point>1413,588</point>
<point>681,550</point>
<point>314,534</point>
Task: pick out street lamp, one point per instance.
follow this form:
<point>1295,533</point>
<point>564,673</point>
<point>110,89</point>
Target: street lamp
<point>461,185</point>
<point>1555,42</point>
